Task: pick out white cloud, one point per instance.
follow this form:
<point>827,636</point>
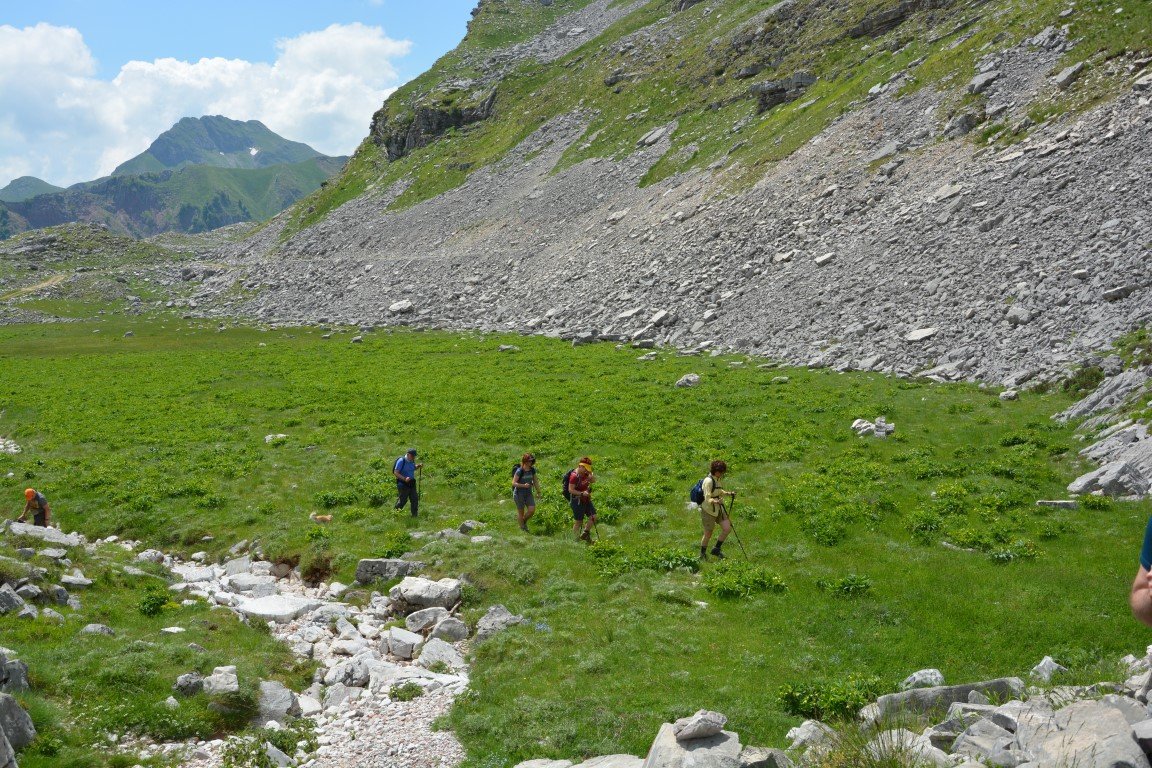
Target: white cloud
<point>60,123</point>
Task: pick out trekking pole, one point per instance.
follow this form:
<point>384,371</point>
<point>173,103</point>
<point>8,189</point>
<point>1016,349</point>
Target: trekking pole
<point>733,527</point>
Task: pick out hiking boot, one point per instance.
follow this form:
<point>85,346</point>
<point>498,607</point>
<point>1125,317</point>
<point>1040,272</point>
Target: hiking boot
<point>524,527</point>
<point>717,553</point>
<point>586,537</point>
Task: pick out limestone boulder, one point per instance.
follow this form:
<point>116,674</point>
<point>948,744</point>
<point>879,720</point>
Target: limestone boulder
<point>415,592</point>
<point>418,621</point>
<point>698,726</point>
<point>719,751</point>
<point>15,722</point>
<point>436,652</point>
<point>277,702</point>
<point>385,569</point>
<point>497,619</point>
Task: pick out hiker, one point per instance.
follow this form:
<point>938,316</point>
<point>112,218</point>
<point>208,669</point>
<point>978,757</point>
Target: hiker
<point>1141,597</point>
<point>35,501</point>
<point>405,471</point>
<point>523,481</point>
<point>580,492</point>
<point>712,509</point>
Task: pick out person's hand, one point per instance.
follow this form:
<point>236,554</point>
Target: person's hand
<point>418,466</point>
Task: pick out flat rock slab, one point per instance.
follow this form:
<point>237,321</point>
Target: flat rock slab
<point>920,700</point>
<point>278,608</point>
<point>385,569</point>
<point>613,761</point>
<point>719,751</point>
<point>50,535</point>
<point>192,574</point>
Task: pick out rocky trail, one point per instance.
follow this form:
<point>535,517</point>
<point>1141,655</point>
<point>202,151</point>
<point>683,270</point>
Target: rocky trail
<point>361,719</point>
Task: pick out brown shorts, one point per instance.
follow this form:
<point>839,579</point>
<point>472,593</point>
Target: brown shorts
<point>710,522</point>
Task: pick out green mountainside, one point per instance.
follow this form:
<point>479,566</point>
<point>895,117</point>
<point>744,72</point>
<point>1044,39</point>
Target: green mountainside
<point>25,188</point>
<point>747,81</point>
<point>191,199</point>
<point>217,141</point>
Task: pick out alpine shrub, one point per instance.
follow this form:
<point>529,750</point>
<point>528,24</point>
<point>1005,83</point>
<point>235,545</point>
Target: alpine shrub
<point>739,578</point>
<point>830,699</point>
<point>852,585</point>
<point>154,600</point>
<point>405,691</point>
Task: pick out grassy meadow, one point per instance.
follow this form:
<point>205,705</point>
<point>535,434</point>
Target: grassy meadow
<point>846,589</point>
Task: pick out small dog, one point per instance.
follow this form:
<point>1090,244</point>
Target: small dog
<point>319,518</point>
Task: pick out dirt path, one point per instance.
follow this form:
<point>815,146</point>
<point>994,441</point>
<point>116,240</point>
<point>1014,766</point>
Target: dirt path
<point>54,280</point>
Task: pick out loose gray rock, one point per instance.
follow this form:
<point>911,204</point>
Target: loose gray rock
<point>1046,669</point>
<point>222,680</point>
<point>189,684</point>
<point>416,592</point>
<point>1116,478</point>
<point>402,643</point>
<point>385,569</point>
<point>700,725</point>
<point>1088,733</point>
<point>98,629</point>
<point>277,702</point>
<point>924,700</point>
<point>15,722</point>
<point>983,739</point>
<point>451,630</point>
<point>719,751</point>
<point>497,619</point>
<point>689,380</point>
<point>9,600</point>
<point>435,651</point>
<point>924,678</point>
<point>418,621</point>
<point>759,757</point>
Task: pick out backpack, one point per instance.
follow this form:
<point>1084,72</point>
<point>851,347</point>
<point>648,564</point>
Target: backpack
<point>515,469</point>
<point>567,480</point>
<point>696,495</point>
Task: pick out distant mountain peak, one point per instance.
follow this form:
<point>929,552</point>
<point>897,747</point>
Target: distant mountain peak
<point>25,188</point>
<point>217,141</point>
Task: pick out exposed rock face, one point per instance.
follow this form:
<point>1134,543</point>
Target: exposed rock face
<point>401,137</point>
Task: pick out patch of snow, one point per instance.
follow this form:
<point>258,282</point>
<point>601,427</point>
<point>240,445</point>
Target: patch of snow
<point>252,151</point>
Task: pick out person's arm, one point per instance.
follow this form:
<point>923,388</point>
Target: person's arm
<point>24,514</point>
<point>47,513</point>
<point>396,470</point>
<point>1141,598</point>
<point>572,486</point>
<point>516,479</point>
<point>536,482</point>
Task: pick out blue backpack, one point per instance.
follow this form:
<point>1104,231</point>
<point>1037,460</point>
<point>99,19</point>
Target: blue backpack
<point>696,495</point>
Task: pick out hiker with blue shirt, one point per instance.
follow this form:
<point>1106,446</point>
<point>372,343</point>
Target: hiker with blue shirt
<point>1141,597</point>
<point>524,480</point>
<point>405,471</point>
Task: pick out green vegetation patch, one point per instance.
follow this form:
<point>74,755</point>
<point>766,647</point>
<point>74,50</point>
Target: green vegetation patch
<point>162,437</point>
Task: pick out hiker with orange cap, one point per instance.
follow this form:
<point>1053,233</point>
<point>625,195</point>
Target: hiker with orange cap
<point>35,501</point>
<point>580,497</point>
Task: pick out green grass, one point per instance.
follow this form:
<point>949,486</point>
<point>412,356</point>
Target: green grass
<point>161,437</point>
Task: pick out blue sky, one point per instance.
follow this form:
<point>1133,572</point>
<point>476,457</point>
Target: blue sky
<point>85,85</point>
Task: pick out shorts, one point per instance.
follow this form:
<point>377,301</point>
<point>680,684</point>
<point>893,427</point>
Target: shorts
<point>523,497</point>
<point>710,522</point>
<point>582,508</point>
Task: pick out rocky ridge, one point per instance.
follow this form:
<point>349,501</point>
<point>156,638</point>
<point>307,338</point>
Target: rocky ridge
<point>883,244</point>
